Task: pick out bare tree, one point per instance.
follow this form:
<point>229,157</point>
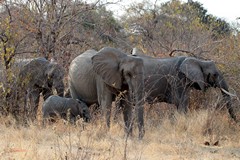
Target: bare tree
<point>160,29</point>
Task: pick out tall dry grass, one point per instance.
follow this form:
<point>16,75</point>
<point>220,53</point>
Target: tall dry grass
<point>201,134</point>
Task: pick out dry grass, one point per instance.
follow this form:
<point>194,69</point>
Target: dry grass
<point>201,134</point>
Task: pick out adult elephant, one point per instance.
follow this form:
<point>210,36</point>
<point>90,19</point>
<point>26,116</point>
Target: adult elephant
<point>98,76</point>
<point>170,80</point>
<point>38,76</point>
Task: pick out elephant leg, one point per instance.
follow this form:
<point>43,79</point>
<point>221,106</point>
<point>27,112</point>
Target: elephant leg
<point>182,99</point>
<point>34,96</point>
<point>13,98</point>
<point>106,105</point>
<point>140,119</point>
<point>26,104</point>
<point>73,92</point>
<point>105,101</point>
<point>73,119</point>
<point>127,115</point>
<point>118,108</point>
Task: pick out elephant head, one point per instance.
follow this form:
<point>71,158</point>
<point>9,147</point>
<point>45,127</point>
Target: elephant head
<point>204,74</point>
<point>120,71</point>
<point>55,75</point>
<point>42,73</point>
<point>83,110</point>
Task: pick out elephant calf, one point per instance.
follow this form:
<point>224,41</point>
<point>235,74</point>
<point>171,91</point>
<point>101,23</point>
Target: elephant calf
<point>65,108</point>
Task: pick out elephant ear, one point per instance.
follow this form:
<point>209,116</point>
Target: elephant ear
<point>53,72</point>
<point>192,70</point>
<point>52,68</point>
<point>106,65</point>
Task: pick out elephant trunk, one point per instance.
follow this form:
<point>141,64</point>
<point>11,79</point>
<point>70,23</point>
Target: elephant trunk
<point>227,98</point>
<point>59,86</point>
<point>138,100</point>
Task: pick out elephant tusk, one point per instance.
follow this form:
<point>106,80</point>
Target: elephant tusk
<point>228,93</point>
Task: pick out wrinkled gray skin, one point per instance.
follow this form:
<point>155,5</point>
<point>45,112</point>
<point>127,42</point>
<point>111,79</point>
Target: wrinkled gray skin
<point>96,77</point>
<point>38,76</point>
<point>60,106</point>
<point>170,80</point>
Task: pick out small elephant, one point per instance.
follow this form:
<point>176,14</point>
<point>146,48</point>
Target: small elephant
<point>38,76</point>
<point>64,107</point>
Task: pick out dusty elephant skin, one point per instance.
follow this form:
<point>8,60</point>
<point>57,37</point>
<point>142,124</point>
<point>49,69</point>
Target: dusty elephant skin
<point>97,76</point>
<point>64,107</point>
<point>38,76</point>
<point>170,80</point>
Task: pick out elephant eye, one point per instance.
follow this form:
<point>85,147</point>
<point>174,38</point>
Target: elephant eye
<point>51,75</point>
<point>128,74</point>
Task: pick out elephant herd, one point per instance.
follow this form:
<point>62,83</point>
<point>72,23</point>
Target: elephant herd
<point>98,77</point>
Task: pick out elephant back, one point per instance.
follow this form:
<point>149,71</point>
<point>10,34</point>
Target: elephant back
<point>54,102</point>
<point>83,60</point>
<point>82,64</point>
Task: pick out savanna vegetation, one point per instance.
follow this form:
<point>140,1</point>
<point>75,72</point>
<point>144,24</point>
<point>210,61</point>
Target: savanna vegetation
<point>63,29</point>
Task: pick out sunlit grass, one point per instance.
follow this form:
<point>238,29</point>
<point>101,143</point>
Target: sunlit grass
<point>191,136</point>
